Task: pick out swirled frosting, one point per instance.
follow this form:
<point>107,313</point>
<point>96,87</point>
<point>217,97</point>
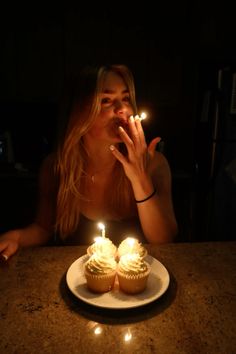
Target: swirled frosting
<point>132,264</point>
<point>103,245</point>
<point>131,245</point>
<point>100,263</point>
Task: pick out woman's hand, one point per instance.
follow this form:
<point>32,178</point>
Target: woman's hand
<point>148,171</point>
<point>8,245</point>
<point>136,162</point>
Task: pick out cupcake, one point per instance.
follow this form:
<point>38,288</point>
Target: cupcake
<point>100,272</point>
<point>131,245</point>
<point>132,272</point>
<point>103,245</point>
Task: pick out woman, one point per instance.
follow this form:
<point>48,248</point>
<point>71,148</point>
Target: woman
<point>103,170</point>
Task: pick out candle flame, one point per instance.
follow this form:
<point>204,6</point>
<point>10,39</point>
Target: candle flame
<point>143,115</point>
<point>98,239</point>
<point>140,117</point>
<point>130,241</point>
<point>101,226</point>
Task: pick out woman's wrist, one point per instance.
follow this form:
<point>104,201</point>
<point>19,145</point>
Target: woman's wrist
<point>12,235</point>
<point>143,188</point>
<point>147,197</point>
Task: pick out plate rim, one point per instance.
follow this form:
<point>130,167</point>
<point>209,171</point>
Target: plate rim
<point>148,258</point>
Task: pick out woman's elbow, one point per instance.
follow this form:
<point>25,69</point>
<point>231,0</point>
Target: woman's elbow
<point>169,234</point>
<point>174,231</point>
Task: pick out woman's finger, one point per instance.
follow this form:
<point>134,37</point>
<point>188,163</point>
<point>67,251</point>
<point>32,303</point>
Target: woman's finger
<point>152,145</point>
<point>8,248</point>
<point>134,131</point>
<point>4,257</point>
<point>120,157</point>
<point>126,139</point>
<point>139,128</point>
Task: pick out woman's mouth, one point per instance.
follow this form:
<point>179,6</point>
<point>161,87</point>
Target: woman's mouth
<point>121,123</point>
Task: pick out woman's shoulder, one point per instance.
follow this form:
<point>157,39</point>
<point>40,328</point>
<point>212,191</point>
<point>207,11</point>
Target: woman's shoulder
<point>49,161</point>
<point>159,162</point>
<point>47,169</point>
<point>160,172</point>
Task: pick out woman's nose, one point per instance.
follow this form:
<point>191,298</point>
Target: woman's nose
<point>119,107</point>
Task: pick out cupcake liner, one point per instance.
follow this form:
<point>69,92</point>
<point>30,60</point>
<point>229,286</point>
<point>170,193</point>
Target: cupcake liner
<point>100,283</point>
<point>133,284</point>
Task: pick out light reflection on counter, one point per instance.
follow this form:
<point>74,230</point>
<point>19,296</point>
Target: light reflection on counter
<point>98,329</point>
<point>127,335</point>
<point>95,327</point>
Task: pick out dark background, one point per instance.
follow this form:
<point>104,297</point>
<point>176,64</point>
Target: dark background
<point>172,50</point>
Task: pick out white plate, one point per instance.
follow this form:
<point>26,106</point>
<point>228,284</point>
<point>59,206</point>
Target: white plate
<point>157,284</point>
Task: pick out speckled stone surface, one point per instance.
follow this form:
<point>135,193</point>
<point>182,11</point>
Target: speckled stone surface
<point>196,315</point>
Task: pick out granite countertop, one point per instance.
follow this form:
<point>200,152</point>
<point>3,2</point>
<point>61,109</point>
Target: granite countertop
<point>39,314</point>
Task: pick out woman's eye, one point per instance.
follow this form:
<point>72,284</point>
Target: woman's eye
<point>105,100</point>
<point>108,100</point>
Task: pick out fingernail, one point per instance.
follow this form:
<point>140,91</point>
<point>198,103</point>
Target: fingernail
<point>131,118</point>
<point>5,257</point>
<point>137,117</point>
<point>121,129</point>
<point>112,147</point>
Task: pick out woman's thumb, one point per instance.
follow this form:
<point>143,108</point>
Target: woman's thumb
<point>152,145</point>
<point>8,248</point>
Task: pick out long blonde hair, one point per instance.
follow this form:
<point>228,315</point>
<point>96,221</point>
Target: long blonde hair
<point>71,155</point>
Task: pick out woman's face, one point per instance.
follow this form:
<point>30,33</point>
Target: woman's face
<point>115,109</point>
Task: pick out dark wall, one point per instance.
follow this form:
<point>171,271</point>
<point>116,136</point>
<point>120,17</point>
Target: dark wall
<point>165,46</point>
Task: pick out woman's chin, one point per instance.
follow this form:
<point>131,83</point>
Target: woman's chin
<point>115,137</point>
<point>116,140</point>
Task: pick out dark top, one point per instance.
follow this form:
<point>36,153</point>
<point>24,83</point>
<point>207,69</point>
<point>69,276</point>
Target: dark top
<point>116,231</point>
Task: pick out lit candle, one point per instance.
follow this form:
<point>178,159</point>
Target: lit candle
<point>101,226</point>
<point>98,239</point>
<point>131,242</point>
<point>143,115</point>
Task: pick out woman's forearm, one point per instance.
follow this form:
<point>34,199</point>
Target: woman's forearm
<point>32,235</point>
<point>155,211</point>
<point>158,223</point>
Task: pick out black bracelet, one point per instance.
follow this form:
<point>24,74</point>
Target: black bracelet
<point>150,196</point>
